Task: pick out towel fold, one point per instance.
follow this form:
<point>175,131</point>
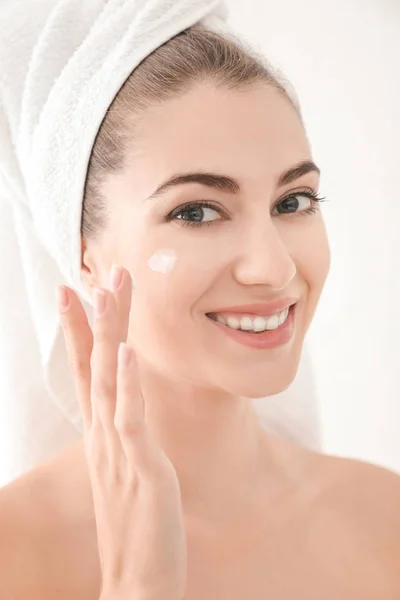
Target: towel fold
<point>61,65</point>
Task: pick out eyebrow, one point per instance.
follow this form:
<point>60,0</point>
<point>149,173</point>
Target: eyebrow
<point>229,184</point>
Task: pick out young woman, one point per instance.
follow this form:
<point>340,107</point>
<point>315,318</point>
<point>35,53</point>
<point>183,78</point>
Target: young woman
<point>202,187</point>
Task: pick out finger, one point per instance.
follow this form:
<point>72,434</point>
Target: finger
<point>121,286</point>
<point>79,344</point>
<point>129,418</point>
<point>106,338</point>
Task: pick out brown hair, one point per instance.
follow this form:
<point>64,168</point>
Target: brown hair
<point>197,54</point>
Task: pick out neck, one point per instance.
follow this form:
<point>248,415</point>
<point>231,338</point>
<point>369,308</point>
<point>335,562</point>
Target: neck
<point>215,441</point>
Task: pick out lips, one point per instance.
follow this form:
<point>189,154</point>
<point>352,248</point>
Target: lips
<point>265,340</point>
<point>255,323</point>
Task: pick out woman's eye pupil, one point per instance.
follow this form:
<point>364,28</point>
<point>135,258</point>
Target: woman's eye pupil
<point>195,213</point>
<point>290,204</point>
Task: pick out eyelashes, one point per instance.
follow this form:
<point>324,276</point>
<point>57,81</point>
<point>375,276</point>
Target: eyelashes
<point>315,201</point>
<point>200,206</point>
<point>193,206</point>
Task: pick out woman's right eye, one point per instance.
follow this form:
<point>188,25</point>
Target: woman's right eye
<point>195,214</point>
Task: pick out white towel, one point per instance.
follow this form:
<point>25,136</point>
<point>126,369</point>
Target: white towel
<point>61,64</point>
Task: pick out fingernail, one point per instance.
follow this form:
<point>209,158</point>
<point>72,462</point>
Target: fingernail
<point>62,298</point>
<point>99,302</point>
<point>115,278</point>
<point>124,356</point>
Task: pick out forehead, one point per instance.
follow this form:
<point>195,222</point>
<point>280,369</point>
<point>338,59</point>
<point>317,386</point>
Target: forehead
<point>249,133</point>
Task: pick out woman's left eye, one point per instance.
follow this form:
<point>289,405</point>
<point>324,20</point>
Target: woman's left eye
<point>301,202</point>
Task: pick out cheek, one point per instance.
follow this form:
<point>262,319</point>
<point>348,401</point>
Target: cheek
<point>163,319</point>
<point>320,261</point>
<point>162,261</point>
<point>167,307</point>
<point>169,286</point>
<point>309,248</point>
<point>182,276</point>
<point>313,265</point>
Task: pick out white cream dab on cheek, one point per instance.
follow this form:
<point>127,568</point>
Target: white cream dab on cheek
<point>162,261</point>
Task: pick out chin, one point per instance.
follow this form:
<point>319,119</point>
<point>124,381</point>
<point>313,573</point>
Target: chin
<point>260,385</point>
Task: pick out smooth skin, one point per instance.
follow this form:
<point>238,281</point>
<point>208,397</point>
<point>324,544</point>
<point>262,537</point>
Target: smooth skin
<point>263,517</point>
<point>137,504</point>
<point>331,531</point>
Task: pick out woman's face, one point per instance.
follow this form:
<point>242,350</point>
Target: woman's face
<point>254,242</point>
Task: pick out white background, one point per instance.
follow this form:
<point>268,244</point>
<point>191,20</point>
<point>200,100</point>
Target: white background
<point>343,57</point>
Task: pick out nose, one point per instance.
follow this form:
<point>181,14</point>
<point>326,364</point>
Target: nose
<point>264,259</point>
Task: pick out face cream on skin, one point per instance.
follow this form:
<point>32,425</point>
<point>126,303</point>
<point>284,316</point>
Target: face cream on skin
<point>162,261</point>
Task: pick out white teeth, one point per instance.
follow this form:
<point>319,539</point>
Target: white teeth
<point>283,316</point>
<point>273,322</point>
<point>246,323</point>
<point>233,323</point>
<point>255,323</point>
<point>259,324</point>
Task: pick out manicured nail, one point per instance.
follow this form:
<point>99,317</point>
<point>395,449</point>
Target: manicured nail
<point>100,302</point>
<point>124,356</point>
<point>115,277</point>
<point>62,298</point>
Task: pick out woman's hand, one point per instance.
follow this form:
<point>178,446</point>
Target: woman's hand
<point>136,493</point>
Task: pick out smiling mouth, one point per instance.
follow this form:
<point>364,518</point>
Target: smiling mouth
<point>252,324</point>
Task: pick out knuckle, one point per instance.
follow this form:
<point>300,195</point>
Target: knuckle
<point>128,428</point>
<point>79,367</point>
<point>101,335</point>
<point>103,387</point>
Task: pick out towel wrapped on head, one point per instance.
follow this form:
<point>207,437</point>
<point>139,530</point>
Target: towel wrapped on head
<point>61,65</point>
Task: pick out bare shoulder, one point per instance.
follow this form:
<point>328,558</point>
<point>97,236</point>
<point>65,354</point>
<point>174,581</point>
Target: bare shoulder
<point>369,491</point>
<point>47,541</point>
<point>20,524</point>
<point>362,501</point>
